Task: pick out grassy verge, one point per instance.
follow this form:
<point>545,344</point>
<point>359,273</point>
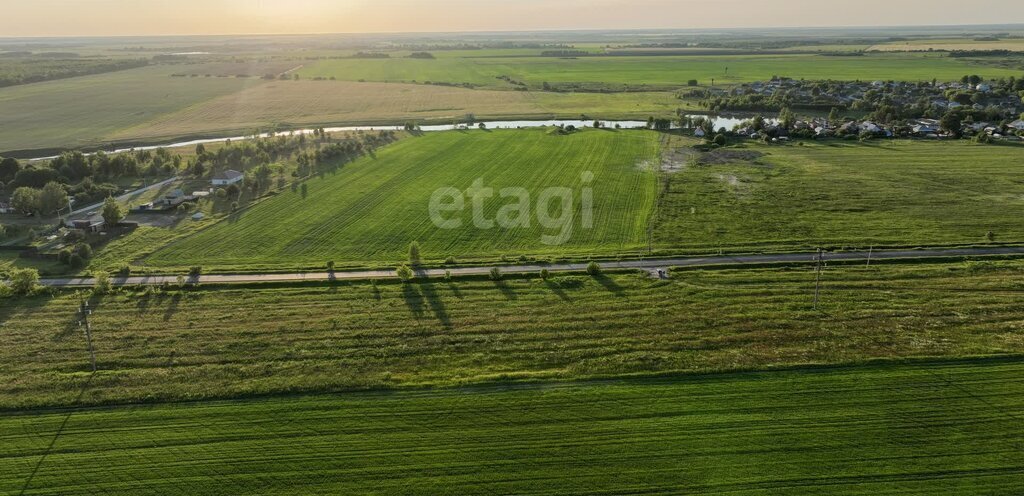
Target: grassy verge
<point>158,345</point>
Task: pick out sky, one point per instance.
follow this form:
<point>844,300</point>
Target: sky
<point>198,17</point>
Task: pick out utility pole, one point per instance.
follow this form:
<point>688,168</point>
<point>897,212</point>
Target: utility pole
<point>818,262</point>
<point>84,309</point>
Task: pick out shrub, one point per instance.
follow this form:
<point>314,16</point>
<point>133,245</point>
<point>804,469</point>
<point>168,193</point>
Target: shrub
<point>195,271</point>
<point>495,274</point>
<point>125,270</point>
<point>76,261</point>
<point>24,281</point>
<point>404,273</point>
<point>594,269</point>
<point>330,266</point>
<point>64,256</point>
<point>102,283</point>
<point>447,275</point>
<point>544,274</point>
<point>450,261</point>
<point>83,250</point>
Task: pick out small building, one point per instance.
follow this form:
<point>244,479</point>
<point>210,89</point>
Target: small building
<point>228,177</point>
<point>1018,124</point>
<point>88,225</point>
<point>198,216</point>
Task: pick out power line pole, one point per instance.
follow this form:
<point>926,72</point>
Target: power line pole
<point>818,262</point>
<point>84,308</point>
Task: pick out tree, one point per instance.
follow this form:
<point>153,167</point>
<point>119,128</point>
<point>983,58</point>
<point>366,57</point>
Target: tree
<point>834,116</point>
<point>52,198</point>
<point>25,200</point>
<point>24,281</point>
<point>112,212</point>
<point>102,283</point>
<point>330,266</point>
<point>594,269</point>
<point>952,123</point>
<point>414,253</point>
<point>8,168</point>
<point>495,274</point>
<point>544,274</point>
<point>720,140</point>
<point>787,118</point>
<point>404,273</point>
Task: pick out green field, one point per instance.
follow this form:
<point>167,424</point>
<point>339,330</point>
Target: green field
<point>84,111</point>
<point>230,342</point>
<point>899,193</point>
<point>372,209</point>
<point>672,71</point>
<point>939,428</point>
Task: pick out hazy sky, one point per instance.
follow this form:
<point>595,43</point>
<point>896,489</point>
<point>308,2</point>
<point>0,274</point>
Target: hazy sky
<point>153,17</point>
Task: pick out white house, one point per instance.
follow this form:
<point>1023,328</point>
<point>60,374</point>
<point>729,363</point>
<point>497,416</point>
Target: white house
<point>228,177</point>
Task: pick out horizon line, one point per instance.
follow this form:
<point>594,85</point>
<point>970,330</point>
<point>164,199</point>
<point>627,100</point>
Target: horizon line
<point>513,31</point>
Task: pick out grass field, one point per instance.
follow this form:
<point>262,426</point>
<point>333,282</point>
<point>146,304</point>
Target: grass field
<point>372,209</point>
<point>84,111</point>
<point>236,342</point>
<point>902,193</point>
<point>298,103</point>
<point>940,428</point>
<point>658,71</point>
<point>950,44</point>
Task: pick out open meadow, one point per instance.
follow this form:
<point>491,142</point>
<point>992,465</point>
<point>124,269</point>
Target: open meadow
<point>656,71</point>
<point>914,429</point>
<point>227,342</point>
<point>83,111</point>
<point>372,209</point>
<point>889,193</point>
<point>289,104</point>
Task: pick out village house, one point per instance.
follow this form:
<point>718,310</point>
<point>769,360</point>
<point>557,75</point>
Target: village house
<point>228,177</point>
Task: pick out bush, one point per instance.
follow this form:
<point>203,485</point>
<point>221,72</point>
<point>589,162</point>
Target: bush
<point>24,281</point>
<point>594,269</point>
<point>195,271</point>
<point>83,250</point>
<point>330,266</point>
<point>125,270</point>
<point>450,261</point>
<point>102,283</point>
<point>495,274</point>
<point>544,274</point>
<point>76,261</point>
<point>64,256</point>
<point>404,273</point>
<point>447,275</point>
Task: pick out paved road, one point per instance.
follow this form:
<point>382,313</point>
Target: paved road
<point>652,265</point>
<point>124,197</point>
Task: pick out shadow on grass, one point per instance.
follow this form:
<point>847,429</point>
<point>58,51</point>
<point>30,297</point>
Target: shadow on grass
<point>610,285</point>
<point>557,290</point>
<point>506,290</point>
<point>56,436</point>
<point>419,297</point>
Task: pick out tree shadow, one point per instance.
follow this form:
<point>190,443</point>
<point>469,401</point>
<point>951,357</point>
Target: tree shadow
<point>413,300</point>
<point>454,288</point>
<point>56,436</point>
<point>610,285</point>
<point>557,290</point>
<point>172,306</point>
<point>506,290</point>
<point>433,300</point>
